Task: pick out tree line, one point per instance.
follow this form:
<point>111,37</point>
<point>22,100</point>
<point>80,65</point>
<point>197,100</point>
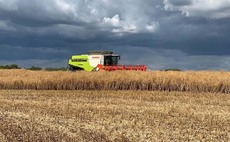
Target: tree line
<point>15,66</point>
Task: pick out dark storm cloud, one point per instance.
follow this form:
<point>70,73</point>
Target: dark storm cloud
<point>185,34</point>
<point>28,53</point>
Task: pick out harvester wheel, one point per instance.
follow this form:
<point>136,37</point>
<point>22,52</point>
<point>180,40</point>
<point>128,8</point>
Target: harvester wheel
<point>70,68</point>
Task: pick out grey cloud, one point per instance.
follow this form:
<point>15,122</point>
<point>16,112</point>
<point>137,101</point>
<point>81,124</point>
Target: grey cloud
<point>200,8</point>
<point>180,2</point>
<point>5,26</point>
<point>171,58</point>
<point>10,53</point>
<point>44,13</point>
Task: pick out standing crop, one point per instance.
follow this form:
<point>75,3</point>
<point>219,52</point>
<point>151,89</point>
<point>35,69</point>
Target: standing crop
<point>200,81</point>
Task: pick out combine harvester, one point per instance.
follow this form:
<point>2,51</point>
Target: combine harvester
<point>100,60</point>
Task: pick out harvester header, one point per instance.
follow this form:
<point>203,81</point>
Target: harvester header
<point>100,60</point>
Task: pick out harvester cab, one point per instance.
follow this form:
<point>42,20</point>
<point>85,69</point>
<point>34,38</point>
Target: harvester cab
<point>100,60</point>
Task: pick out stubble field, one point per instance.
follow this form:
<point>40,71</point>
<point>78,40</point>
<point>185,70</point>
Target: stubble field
<point>114,114</point>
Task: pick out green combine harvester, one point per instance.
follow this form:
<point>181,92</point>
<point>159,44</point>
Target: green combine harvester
<point>100,60</point>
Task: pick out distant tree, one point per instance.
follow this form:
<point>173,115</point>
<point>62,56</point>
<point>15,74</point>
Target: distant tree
<point>172,70</point>
<point>34,68</point>
<point>12,66</point>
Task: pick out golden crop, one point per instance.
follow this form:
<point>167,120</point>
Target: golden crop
<point>58,116</point>
<point>114,106</point>
<point>195,81</point>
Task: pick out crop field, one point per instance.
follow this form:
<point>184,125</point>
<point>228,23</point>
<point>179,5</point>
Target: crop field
<point>202,81</point>
<point>114,106</point>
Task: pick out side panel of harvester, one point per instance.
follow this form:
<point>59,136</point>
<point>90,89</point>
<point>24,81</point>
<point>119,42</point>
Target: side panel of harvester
<point>80,62</point>
<point>85,62</point>
<point>94,60</point>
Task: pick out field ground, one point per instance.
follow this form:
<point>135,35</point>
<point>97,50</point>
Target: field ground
<point>30,115</point>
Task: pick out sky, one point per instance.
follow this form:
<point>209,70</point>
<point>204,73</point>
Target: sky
<point>162,34</point>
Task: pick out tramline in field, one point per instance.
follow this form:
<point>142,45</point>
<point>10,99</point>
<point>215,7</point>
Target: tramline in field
<point>100,60</point>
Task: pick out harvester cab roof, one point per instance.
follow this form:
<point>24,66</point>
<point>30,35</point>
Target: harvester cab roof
<point>100,52</point>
